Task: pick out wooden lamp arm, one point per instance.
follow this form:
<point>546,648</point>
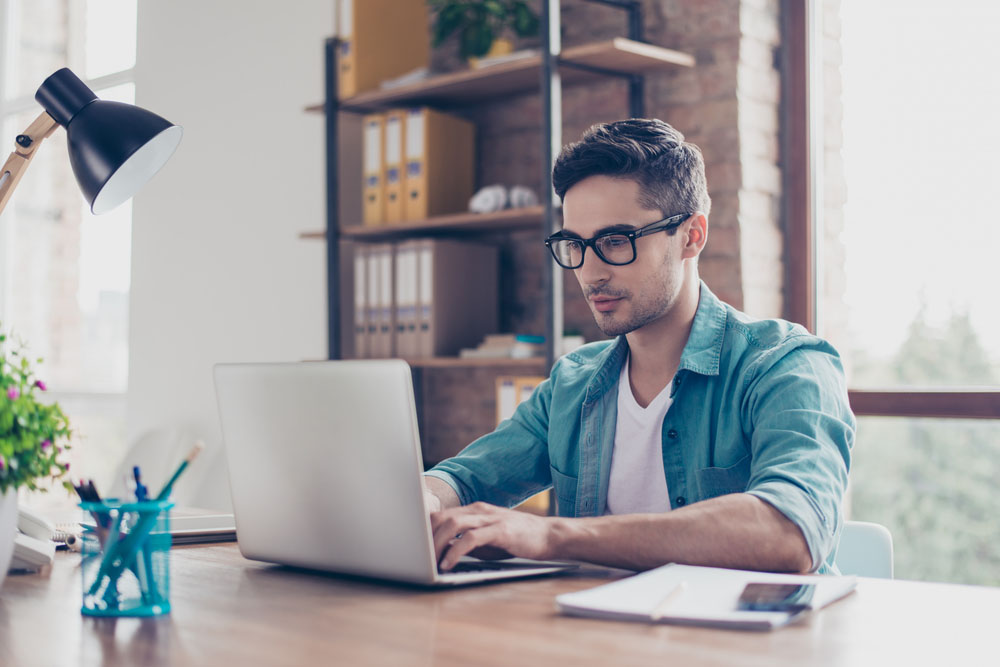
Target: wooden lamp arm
<point>26,144</point>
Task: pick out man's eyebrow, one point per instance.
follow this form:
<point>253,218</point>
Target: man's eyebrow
<point>609,229</point>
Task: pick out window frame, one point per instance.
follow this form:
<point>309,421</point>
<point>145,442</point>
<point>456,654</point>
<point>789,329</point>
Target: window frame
<point>802,156</point>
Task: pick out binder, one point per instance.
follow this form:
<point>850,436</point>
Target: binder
<point>458,295</point>
<point>360,303</point>
<point>371,303</point>
<point>440,163</point>
<point>383,254</point>
<point>512,391</point>
<point>373,192</point>
<point>379,40</point>
<point>395,123</point>
<point>406,300</point>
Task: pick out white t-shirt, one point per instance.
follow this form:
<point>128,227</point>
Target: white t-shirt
<point>638,483</point>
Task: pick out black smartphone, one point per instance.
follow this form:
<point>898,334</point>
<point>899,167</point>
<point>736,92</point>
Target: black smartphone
<point>791,598</point>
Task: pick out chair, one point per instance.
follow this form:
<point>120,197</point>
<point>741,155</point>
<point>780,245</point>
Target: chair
<point>865,550</point>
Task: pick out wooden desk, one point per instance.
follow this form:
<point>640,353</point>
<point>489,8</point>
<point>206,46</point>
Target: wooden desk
<point>231,611</point>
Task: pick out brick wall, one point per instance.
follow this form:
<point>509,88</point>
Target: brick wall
<point>727,104</point>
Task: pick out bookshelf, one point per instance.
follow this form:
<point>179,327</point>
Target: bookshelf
<point>577,65</point>
<point>458,223</point>
<point>543,72</point>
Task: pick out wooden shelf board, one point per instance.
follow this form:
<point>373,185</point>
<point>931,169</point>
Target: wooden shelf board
<point>620,55</point>
<point>507,220</point>
<point>455,362</point>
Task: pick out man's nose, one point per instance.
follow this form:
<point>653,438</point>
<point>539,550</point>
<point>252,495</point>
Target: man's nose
<point>593,270</point>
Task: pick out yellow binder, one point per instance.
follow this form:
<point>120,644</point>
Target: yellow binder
<point>379,40</point>
<point>373,191</point>
<point>395,123</point>
<point>440,163</point>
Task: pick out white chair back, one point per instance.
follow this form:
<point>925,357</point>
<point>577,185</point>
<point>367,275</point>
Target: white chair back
<point>865,550</point>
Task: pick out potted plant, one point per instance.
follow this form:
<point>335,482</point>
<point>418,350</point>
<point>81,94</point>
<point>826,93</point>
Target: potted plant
<point>33,435</point>
<point>481,24</point>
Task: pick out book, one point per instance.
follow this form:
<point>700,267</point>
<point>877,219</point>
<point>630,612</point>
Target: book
<point>693,595</point>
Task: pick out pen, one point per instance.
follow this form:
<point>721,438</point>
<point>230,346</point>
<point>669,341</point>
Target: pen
<point>127,549</point>
<point>168,487</point>
<point>660,610</point>
<point>140,488</point>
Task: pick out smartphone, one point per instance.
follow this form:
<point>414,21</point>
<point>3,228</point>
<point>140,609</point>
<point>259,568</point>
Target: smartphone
<point>791,598</point>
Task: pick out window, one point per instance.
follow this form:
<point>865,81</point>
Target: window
<point>64,274</point>
<point>891,244</point>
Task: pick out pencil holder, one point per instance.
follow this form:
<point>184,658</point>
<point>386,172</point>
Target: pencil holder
<point>126,558</point>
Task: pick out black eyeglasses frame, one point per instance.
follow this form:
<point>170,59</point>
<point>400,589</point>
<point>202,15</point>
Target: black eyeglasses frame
<point>666,224</point>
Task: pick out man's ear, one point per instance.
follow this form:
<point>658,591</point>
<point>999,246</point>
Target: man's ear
<point>695,235</point>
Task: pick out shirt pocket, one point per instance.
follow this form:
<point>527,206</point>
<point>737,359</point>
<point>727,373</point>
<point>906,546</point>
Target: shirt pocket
<point>713,482</point>
<point>565,492</point>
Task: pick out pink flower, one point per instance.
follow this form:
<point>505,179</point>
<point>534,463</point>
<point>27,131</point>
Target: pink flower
<point>13,393</point>
<point>40,385</point>
<point>1,463</point>
<point>46,444</point>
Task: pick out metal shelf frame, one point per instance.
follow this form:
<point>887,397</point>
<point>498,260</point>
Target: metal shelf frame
<point>551,94</point>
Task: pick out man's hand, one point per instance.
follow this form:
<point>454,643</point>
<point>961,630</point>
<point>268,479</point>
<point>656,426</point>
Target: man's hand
<point>488,531</point>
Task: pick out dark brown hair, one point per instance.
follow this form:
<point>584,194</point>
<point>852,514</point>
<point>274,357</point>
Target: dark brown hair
<point>670,172</point>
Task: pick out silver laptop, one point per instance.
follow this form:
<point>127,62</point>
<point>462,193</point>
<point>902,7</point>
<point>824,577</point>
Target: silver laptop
<point>325,472</point>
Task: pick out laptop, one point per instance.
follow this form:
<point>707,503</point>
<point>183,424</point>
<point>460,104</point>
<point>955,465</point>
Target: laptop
<point>325,472</point>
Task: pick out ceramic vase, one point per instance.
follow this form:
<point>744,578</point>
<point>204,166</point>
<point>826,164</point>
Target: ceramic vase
<point>8,526</point>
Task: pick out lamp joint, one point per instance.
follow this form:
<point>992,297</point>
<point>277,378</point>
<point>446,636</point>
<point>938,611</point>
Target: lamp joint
<point>23,140</point>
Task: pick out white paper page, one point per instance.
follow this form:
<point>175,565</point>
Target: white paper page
<point>709,595</point>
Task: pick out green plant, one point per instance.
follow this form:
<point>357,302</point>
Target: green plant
<point>480,22</point>
<point>33,434</point>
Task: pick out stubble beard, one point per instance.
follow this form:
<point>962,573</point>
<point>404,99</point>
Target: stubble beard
<point>656,298</point>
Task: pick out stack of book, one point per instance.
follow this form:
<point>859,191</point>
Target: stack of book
<point>506,346</point>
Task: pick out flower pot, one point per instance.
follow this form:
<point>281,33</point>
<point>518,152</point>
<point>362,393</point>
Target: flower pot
<point>8,527</point>
<point>501,47</point>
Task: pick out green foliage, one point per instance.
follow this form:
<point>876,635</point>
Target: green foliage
<point>33,434</point>
<point>480,22</point>
<point>932,482</point>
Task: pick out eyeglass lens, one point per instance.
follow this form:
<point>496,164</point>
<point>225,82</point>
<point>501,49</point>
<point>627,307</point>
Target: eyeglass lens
<point>613,248</point>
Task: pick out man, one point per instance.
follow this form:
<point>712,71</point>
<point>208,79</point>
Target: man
<point>698,435</point>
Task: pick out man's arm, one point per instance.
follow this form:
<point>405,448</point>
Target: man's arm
<point>438,495</point>
<point>737,531</point>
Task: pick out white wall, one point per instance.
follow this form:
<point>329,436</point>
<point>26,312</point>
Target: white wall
<point>218,273</point>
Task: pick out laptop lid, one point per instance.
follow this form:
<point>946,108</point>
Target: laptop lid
<point>325,466</point>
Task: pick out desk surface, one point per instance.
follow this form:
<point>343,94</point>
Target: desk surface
<point>228,608</point>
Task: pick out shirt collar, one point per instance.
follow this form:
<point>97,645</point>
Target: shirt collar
<point>703,350</point>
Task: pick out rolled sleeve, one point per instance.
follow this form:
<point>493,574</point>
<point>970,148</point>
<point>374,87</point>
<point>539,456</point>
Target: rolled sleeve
<point>508,465</point>
<point>802,434</point>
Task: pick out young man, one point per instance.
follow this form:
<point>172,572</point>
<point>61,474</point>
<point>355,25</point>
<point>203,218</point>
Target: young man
<point>698,435</point>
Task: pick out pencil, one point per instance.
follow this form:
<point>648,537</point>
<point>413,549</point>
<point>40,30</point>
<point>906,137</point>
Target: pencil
<point>664,605</point>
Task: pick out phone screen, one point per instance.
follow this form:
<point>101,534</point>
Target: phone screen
<point>792,598</point>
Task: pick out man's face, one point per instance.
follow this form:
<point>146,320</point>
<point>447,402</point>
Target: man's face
<point>623,298</point>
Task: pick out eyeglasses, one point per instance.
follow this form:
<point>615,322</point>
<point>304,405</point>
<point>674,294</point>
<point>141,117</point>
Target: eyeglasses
<point>616,248</point>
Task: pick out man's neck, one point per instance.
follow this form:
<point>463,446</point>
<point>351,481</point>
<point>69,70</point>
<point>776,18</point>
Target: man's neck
<point>655,349</point>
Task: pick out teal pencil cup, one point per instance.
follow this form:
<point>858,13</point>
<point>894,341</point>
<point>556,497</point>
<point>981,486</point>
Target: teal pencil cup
<point>125,558</point>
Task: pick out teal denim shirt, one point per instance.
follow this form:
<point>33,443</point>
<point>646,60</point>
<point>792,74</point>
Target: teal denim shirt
<point>759,406</point>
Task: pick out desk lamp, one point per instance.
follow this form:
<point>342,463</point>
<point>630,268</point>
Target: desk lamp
<point>114,148</point>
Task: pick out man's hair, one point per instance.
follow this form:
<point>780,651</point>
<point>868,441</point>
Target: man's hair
<point>670,172</point>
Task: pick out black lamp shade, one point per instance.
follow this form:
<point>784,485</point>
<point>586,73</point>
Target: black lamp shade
<point>114,148</point>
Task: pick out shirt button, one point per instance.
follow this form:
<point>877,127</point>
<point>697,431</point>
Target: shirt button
<point>680,501</point>
<point>672,434</point>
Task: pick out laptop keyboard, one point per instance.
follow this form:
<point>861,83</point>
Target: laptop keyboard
<point>488,566</point>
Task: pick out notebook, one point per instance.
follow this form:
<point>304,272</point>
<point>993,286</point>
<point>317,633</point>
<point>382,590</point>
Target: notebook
<point>325,472</point>
<point>691,595</point>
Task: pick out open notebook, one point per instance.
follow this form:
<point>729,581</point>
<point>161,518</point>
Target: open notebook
<point>689,595</point>
<point>188,525</point>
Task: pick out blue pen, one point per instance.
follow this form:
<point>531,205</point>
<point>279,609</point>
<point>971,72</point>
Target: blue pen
<point>141,493</point>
